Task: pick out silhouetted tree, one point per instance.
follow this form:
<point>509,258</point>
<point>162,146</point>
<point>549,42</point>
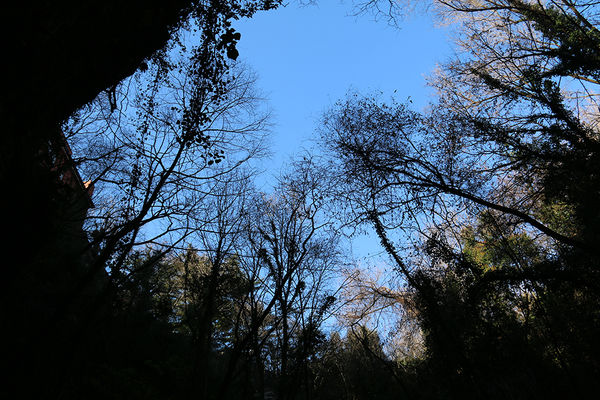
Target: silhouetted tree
<point>66,53</point>
<point>496,182</point>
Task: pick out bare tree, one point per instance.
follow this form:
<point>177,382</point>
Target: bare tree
<point>288,256</point>
<point>158,155</point>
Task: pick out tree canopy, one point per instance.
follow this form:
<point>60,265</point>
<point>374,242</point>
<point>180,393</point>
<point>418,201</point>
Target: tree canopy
<point>155,268</point>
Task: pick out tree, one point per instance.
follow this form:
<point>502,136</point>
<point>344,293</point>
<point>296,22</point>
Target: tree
<point>84,49</point>
<point>287,256</point>
<point>495,182</point>
<point>75,72</point>
<point>250,295</point>
<point>356,367</point>
<point>154,179</point>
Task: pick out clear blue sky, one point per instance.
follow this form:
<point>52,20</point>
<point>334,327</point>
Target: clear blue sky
<point>309,57</point>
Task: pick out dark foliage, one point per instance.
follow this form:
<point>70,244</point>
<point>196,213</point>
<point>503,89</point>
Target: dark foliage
<point>499,192</point>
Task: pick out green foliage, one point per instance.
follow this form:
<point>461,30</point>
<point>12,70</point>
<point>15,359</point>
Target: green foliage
<point>488,247</point>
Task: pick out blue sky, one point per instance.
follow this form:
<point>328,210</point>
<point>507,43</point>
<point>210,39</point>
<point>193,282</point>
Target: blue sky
<point>309,57</point>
